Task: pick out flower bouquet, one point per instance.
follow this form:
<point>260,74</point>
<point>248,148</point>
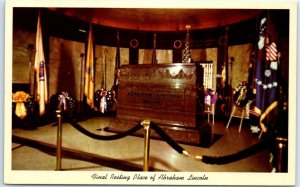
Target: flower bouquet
<point>23,104</point>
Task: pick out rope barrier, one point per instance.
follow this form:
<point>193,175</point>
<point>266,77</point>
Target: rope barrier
<point>101,137</point>
<point>260,146</point>
<point>264,144</point>
<point>166,138</point>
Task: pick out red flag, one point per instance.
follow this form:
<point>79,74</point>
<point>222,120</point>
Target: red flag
<point>40,68</point>
<point>89,71</point>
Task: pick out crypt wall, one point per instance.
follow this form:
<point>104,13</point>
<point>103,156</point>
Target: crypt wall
<point>65,64</point>
<point>21,56</point>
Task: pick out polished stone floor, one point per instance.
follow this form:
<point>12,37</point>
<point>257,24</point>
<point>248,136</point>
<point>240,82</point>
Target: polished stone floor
<point>33,150</point>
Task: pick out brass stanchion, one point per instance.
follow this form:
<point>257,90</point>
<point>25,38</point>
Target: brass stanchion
<point>59,139</point>
<point>281,146</point>
<point>146,125</point>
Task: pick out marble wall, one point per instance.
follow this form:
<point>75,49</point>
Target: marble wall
<point>240,65</point>
<point>65,64</point>
<point>162,56</point>
<point>105,65</point>
<point>21,55</point>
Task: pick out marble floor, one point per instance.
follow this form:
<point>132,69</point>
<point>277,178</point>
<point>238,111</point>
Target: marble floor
<point>35,150</point>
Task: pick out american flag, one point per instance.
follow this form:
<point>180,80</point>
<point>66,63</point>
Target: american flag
<point>266,84</point>
<point>271,52</point>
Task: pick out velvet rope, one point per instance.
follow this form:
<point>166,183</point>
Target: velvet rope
<point>258,147</point>
<point>101,137</point>
<point>166,138</point>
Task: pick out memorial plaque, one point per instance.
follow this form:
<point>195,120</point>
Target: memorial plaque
<point>167,94</point>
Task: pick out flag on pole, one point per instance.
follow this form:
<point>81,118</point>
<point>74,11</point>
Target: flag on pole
<point>118,61</point>
<point>154,60</point>
<point>89,71</point>
<point>260,64</point>
<point>266,84</point>
<point>115,85</point>
<point>40,68</point>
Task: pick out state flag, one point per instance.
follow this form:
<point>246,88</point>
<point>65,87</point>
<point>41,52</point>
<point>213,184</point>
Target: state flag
<point>40,68</point>
<point>89,71</point>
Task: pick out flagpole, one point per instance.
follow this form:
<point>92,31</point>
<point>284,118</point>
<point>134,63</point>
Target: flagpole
<point>227,88</point>
<point>31,86</point>
<point>81,82</point>
<point>154,61</point>
<point>105,70</point>
<point>117,61</point>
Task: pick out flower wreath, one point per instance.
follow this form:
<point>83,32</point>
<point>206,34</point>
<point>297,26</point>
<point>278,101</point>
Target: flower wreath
<point>134,43</point>
<point>240,94</point>
<point>67,104</point>
<point>177,44</point>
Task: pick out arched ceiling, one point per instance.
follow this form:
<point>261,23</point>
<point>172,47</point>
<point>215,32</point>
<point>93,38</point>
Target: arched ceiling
<point>146,19</point>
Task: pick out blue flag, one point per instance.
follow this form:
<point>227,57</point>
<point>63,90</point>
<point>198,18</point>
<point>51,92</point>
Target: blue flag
<point>266,84</point>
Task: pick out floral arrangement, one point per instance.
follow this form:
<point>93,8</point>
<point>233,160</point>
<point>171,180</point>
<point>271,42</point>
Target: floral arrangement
<point>63,97</point>
<point>103,100</point>
<point>67,104</point>
<point>20,97</point>
<point>23,104</point>
<point>211,97</point>
<point>240,94</point>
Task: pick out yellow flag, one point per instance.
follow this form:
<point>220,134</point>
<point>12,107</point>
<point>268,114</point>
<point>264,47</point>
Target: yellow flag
<point>40,68</point>
<point>89,71</point>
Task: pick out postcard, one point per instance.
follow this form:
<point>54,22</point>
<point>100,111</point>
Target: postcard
<point>150,93</point>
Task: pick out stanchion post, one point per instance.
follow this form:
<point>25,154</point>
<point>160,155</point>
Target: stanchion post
<point>146,125</point>
<point>59,140</point>
<point>281,146</point>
